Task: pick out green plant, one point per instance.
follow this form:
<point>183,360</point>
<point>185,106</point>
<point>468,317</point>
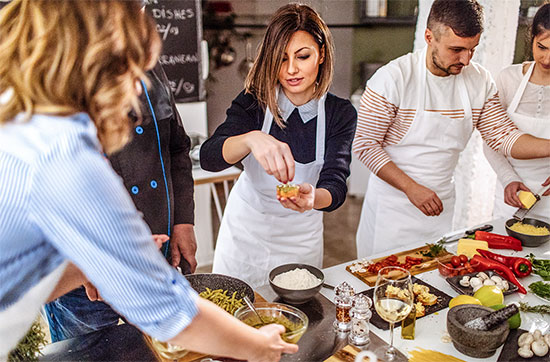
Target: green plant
<point>28,348</point>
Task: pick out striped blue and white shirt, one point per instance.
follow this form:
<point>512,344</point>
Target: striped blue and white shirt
<point>60,200</point>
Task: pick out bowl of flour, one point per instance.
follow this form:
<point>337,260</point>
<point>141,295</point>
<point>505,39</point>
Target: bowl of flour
<point>296,283</point>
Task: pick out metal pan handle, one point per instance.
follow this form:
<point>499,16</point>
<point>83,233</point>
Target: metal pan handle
<point>486,227</point>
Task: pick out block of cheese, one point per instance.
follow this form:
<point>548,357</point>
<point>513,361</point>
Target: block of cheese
<point>469,247</point>
<point>527,199</point>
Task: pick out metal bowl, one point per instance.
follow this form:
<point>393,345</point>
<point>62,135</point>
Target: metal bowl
<point>296,296</point>
<point>200,282</point>
<point>294,320</point>
<point>528,240</point>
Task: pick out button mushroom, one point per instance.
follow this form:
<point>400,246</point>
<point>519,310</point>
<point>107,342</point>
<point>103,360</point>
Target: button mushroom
<point>525,352</point>
<point>539,347</point>
<point>525,339</point>
<point>547,339</point>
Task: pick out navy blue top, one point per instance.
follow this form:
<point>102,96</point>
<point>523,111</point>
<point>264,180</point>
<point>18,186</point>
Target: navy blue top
<point>245,115</point>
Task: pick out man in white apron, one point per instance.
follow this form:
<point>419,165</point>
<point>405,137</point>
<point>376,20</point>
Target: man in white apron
<point>416,116</point>
<point>532,173</point>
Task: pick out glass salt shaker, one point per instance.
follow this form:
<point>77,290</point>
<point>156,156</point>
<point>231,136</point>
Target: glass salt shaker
<point>344,294</point>
<point>360,315</point>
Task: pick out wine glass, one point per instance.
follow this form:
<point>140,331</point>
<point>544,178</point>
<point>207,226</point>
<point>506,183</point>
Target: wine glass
<point>393,298</point>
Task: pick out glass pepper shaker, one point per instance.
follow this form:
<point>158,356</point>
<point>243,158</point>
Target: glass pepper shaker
<point>360,315</point>
<point>344,301</point>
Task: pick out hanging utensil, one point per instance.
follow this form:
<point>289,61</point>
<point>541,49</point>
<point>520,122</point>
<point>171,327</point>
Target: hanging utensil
<point>247,63</point>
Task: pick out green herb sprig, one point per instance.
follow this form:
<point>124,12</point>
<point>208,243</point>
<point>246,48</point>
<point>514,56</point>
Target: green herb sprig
<point>28,348</point>
<point>435,249</point>
<point>541,308</point>
<point>540,266</point>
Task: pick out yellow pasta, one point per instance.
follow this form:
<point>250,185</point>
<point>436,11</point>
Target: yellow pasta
<point>527,229</point>
<point>425,355</point>
<point>224,301</point>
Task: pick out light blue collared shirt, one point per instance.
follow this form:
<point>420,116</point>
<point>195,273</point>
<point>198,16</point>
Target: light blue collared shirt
<point>59,200</point>
<point>307,111</point>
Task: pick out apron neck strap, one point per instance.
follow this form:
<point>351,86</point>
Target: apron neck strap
<point>517,96</point>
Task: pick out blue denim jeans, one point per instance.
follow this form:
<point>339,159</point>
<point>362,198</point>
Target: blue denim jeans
<point>73,314</point>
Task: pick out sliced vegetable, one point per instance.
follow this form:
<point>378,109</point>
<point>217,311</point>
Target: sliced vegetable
<point>540,267</point>
<point>541,289</point>
<point>481,263</point>
<point>497,241</point>
<point>520,266</point>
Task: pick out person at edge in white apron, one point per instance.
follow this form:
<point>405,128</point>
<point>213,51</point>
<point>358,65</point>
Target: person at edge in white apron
<point>284,127</point>
<point>416,115</point>
<point>524,91</point>
<point>65,216</point>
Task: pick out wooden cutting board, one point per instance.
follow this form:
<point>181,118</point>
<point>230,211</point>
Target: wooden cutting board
<point>348,353</point>
<point>429,263</point>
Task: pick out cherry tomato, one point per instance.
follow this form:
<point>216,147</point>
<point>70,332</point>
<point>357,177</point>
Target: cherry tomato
<point>463,258</point>
<point>455,260</point>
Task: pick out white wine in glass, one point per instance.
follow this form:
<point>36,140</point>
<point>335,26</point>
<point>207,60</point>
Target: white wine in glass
<point>393,299</point>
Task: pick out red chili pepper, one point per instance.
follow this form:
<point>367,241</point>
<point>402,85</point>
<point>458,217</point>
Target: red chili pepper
<point>520,266</point>
<point>481,264</point>
<point>497,241</point>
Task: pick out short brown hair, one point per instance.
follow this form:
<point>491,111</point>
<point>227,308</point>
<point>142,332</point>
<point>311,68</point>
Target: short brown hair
<point>464,17</point>
<point>262,80</point>
<point>64,57</point>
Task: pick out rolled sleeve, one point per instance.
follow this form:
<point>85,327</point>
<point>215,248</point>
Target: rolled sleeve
<point>92,221</point>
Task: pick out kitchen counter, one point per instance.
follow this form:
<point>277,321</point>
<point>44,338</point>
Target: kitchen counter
<point>320,341</point>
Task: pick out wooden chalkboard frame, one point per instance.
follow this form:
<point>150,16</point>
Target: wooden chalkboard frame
<point>179,23</point>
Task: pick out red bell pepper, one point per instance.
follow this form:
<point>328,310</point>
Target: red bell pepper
<point>497,241</point>
<point>520,266</point>
<point>481,264</point>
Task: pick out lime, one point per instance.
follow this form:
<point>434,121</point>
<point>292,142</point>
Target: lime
<point>514,321</point>
<point>489,295</point>
<point>463,299</point>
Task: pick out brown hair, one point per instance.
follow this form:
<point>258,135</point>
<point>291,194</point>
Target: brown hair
<point>464,17</point>
<point>262,80</point>
<point>541,23</point>
<point>65,57</point>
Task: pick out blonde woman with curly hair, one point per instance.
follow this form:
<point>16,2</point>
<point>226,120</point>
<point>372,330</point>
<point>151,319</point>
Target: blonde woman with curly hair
<point>68,73</point>
<point>285,126</point>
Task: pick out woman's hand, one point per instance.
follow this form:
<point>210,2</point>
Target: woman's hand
<point>274,156</point>
<point>425,200</point>
<point>546,183</point>
<point>274,346</point>
<point>303,202</point>
<point>160,239</point>
<point>511,193</point>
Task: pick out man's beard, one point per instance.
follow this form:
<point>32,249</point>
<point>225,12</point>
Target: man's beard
<point>447,70</point>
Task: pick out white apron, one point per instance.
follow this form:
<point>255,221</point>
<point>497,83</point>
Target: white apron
<point>533,172</point>
<point>428,153</point>
<point>257,233</point>
<point>16,320</point>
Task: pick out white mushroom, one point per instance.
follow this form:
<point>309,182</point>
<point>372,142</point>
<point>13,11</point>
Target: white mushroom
<point>525,339</point>
<point>537,334</point>
<point>475,281</point>
<point>466,277</point>
<point>482,276</point>
<point>464,282</point>
<point>525,352</point>
<point>496,279</point>
<point>505,285</point>
<point>477,287</point>
<point>547,339</point>
<point>488,282</point>
<point>539,347</point>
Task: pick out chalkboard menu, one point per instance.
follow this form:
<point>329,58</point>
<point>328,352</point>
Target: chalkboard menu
<point>179,23</point>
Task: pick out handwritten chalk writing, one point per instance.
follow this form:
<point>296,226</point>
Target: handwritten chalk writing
<point>165,29</point>
<point>173,14</point>
<point>172,59</point>
<point>187,87</point>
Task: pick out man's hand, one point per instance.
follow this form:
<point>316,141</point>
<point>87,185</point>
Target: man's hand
<point>183,243</point>
<point>546,183</point>
<point>92,292</point>
<point>303,202</point>
<point>511,193</point>
<point>425,200</point>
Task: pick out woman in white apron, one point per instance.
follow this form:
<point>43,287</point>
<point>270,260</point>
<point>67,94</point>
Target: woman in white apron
<point>388,218</point>
<point>525,93</point>
<point>299,144</point>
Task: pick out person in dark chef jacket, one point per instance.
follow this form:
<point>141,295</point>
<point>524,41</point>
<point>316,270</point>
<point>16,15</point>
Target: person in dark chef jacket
<point>524,91</point>
<point>161,186</point>
<point>416,115</point>
<point>284,127</point>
